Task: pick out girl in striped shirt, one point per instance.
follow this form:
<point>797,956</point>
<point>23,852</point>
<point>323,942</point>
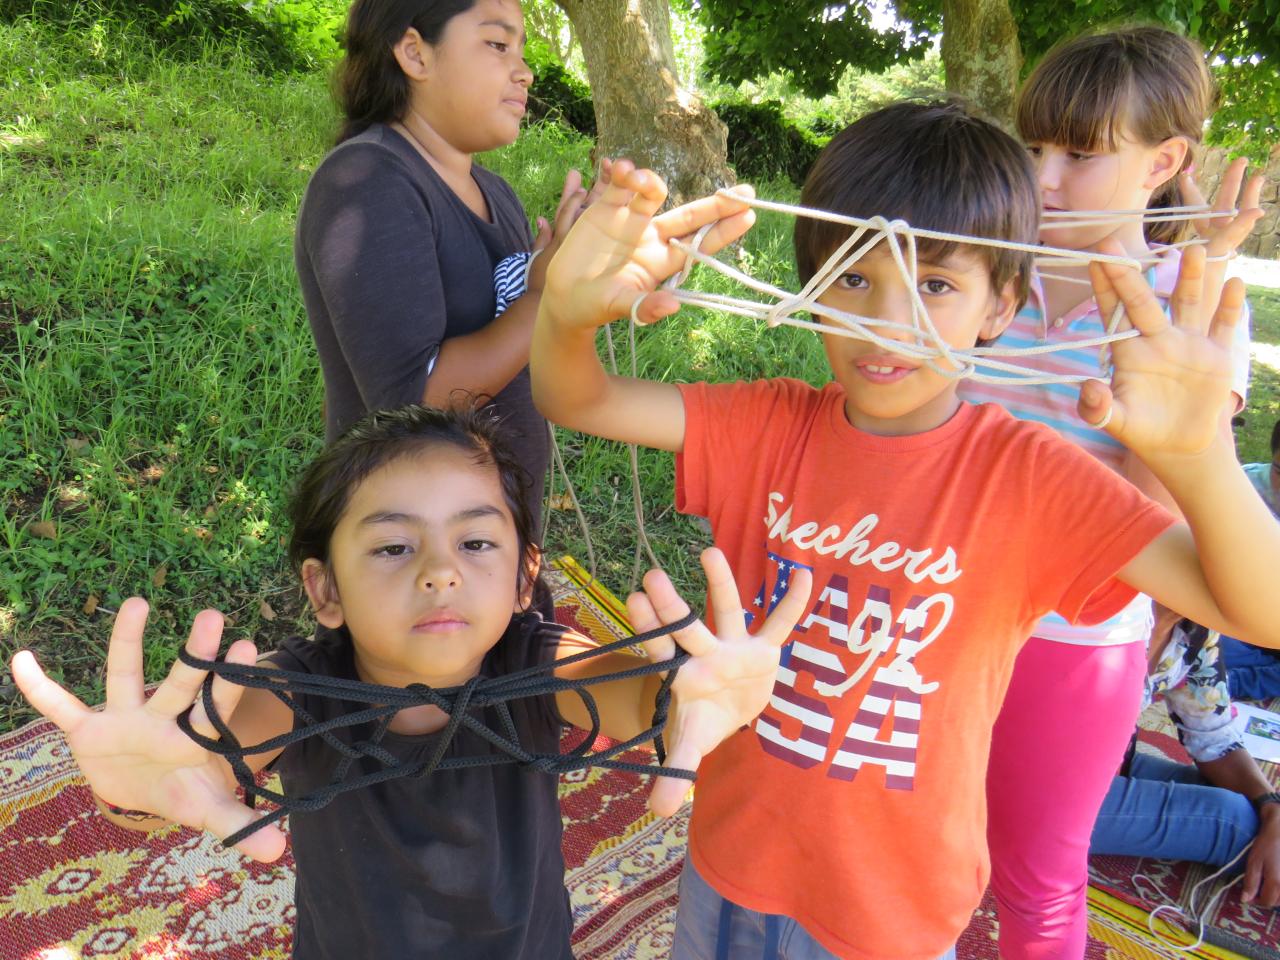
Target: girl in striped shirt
<point>1111,121</point>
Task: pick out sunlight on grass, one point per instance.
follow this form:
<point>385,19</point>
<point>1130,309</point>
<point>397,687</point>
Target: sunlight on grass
<point>159,389</point>
<point>1268,354</point>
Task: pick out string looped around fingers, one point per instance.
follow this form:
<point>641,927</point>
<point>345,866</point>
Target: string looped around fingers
<point>986,364</point>
<point>460,704</point>
<point>1106,418</point>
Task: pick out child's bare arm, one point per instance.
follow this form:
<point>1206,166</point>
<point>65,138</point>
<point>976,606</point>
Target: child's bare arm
<point>132,751</point>
<point>724,685</point>
<point>616,253</point>
<point>1166,400</point>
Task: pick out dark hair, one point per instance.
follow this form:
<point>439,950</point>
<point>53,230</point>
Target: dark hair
<point>1143,80</point>
<point>383,437</point>
<point>936,166</point>
<point>368,83</point>
<point>1275,439</point>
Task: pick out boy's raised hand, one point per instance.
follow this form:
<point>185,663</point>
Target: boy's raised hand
<point>132,751</point>
<point>1171,384</point>
<point>618,249</point>
<point>729,677</point>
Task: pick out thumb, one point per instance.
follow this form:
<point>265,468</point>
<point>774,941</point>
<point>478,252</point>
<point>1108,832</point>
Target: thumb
<point>227,815</point>
<point>1097,406</point>
<point>1252,879</point>
<point>653,307</point>
<point>669,793</point>
<point>543,236</point>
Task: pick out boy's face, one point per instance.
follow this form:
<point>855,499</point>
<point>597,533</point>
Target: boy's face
<point>893,395</point>
<point>423,569</point>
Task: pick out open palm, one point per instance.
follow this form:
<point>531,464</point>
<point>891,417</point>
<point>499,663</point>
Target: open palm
<point>132,751</point>
<point>730,674</point>
<point>624,249</point>
<point>1171,383</point>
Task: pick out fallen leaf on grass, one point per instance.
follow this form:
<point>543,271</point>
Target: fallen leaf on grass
<point>266,611</point>
<point>44,528</point>
<point>77,443</point>
<point>90,605</point>
<point>160,576</point>
<point>560,501</point>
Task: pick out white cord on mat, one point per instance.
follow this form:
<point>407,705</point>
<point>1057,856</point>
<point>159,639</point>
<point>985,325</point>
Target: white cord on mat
<point>1198,917</point>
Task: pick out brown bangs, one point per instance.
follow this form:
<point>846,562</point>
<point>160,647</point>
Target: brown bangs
<point>1141,81</point>
<point>937,167</point>
<point>1076,102</point>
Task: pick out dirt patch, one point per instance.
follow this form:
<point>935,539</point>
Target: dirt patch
<point>10,316</point>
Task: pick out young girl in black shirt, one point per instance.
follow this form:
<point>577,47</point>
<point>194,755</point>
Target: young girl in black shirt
<point>412,535</point>
<point>400,231</point>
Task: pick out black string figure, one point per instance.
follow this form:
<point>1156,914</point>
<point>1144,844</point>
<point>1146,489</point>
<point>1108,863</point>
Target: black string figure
<point>457,702</point>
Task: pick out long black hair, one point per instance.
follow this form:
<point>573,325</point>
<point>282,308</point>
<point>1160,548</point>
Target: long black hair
<point>369,85</point>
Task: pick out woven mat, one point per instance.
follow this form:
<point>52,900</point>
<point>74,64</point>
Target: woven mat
<point>73,886</point>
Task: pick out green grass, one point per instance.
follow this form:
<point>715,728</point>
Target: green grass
<point>159,389</point>
<point>1253,439</point>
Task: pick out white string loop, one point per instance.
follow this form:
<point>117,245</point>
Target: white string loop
<point>985,364</point>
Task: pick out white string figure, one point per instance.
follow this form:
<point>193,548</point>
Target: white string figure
<point>984,364</point>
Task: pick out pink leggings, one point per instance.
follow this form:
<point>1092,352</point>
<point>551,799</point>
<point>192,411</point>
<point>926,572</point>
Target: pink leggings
<point>1056,746</point>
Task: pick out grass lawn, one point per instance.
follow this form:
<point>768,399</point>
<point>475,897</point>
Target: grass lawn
<point>158,386</point>
<point>1253,439</point>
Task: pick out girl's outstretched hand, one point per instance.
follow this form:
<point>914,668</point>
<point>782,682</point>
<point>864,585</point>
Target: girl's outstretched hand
<point>729,677</point>
<point>1171,384</point>
<point>1222,230</point>
<point>132,751</point>
<point>618,249</point>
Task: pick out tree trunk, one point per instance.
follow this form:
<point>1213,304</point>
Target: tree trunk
<point>641,111</point>
<point>981,55</point>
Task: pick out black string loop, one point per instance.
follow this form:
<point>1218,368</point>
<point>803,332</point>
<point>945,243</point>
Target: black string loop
<point>460,703</point>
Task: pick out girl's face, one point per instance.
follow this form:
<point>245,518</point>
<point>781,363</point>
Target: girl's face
<point>423,569</point>
<point>1120,179</point>
<point>474,82</point>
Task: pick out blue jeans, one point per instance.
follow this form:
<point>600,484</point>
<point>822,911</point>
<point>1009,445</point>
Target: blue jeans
<point>709,927</point>
<point>1167,810</point>
<point>1253,673</point>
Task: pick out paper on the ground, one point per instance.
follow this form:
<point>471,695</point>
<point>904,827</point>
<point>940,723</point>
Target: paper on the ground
<point>1261,731</point>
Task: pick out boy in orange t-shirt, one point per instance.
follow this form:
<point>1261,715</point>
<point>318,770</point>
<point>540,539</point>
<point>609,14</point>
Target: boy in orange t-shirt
<point>849,819</point>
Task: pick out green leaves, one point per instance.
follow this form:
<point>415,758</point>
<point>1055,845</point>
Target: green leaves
<point>813,41</point>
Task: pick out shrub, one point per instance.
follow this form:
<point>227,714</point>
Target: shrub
<point>556,94</point>
<point>763,143</point>
<point>277,35</point>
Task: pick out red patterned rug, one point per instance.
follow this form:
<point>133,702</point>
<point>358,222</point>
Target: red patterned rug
<point>73,887</point>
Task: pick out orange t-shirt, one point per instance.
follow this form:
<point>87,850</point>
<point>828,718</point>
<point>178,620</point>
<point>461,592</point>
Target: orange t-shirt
<point>856,803</point>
